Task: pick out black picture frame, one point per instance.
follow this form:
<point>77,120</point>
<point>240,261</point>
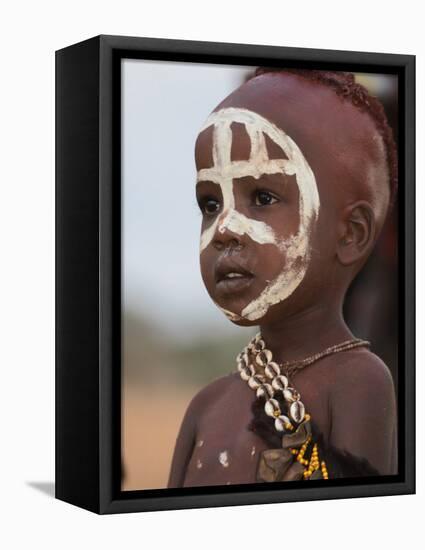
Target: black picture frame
<point>88,302</point>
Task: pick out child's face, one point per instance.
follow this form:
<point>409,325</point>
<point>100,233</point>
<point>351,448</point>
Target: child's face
<point>260,202</point>
<point>268,243</point>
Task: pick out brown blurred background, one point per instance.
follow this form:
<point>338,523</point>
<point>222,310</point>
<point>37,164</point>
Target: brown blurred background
<point>174,339</point>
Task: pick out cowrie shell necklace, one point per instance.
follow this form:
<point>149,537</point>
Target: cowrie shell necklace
<point>268,378</point>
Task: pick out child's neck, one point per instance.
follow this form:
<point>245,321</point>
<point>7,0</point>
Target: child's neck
<point>306,333</point>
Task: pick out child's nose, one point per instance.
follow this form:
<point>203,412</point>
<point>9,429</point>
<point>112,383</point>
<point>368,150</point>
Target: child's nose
<point>225,234</point>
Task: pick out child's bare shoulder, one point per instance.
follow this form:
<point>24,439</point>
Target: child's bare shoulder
<point>361,366</point>
<point>363,408</point>
<point>361,375</point>
<point>216,389</point>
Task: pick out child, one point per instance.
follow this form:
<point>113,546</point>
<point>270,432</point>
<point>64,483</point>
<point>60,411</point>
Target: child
<point>296,172</point>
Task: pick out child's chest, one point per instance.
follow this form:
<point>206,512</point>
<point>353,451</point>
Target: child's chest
<point>226,451</point>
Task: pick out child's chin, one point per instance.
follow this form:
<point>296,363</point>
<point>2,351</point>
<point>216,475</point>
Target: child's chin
<point>236,319</point>
<point>233,309</point>
<point>244,323</point>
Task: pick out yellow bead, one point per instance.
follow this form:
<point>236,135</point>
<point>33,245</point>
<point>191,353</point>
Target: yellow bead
<point>324,470</point>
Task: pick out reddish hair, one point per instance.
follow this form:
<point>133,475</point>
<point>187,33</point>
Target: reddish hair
<point>344,85</point>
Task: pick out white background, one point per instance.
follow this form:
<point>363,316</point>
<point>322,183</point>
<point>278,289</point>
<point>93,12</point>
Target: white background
<point>29,34</point>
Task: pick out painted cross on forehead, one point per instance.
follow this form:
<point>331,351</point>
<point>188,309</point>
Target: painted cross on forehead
<point>223,172</point>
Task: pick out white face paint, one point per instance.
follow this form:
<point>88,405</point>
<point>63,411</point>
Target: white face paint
<point>296,248</point>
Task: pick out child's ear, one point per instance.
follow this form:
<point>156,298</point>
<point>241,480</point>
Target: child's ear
<point>357,233</point>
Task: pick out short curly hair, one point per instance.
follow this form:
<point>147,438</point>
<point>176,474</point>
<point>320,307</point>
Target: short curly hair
<point>345,85</point>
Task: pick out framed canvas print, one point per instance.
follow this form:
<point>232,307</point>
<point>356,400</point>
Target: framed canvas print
<point>235,274</point>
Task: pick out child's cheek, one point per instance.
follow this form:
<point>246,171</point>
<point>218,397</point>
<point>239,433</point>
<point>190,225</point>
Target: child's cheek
<point>207,260</point>
<point>268,261</point>
<point>285,221</point>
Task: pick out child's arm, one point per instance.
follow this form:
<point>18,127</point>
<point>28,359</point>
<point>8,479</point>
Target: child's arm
<point>363,412</point>
<point>186,439</point>
<point>184,446</point>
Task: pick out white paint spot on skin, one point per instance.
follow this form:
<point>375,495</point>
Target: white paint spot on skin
<point>200,443</point>
<point>252,451</point>
<point>199,464</point>
<point>223,459</point>
<point>296,249</point>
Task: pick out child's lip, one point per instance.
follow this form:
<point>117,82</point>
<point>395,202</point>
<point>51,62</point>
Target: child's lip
<point>229,270</point>
<point>232,275</point>
<point>233,285</point>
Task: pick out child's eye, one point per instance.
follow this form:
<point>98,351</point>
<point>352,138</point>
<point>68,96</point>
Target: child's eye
<point>209,206</point>
<point>264,198</point>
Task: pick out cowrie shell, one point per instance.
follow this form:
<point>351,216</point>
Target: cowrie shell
<point>280,422</point>
<point>280,382</point>
<point>240,356</point>
<point>297,411</point>
<point>260,345</point>
<point>272,370</point>
<point>268,355</point>
<point>264,357</point>
<point>246,373</point>
<point>271,407</point>
<point>290,394</point>
<point>265,390</point>
<point>255,381</point>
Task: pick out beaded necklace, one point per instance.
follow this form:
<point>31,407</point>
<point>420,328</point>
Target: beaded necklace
<point>268,378</point>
